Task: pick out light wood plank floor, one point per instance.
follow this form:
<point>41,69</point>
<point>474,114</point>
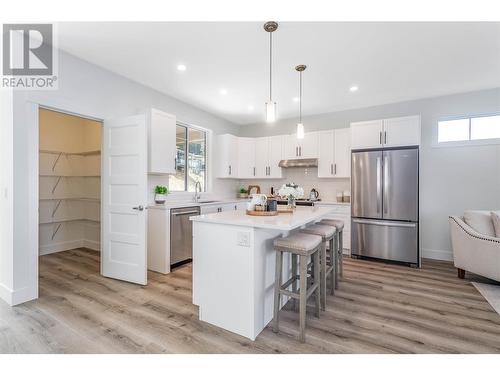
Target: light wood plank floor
<point>379,308</point>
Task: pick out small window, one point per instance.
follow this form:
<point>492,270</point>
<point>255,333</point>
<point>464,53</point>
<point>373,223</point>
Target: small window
<point>190,166</point>
<point>469,129</point>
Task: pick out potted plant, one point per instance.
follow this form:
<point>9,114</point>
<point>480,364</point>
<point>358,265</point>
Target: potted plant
<point>160,194</point>
<point>243,192</point>
<point>291,192</point>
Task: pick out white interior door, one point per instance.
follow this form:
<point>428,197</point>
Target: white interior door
<point>124,199</point>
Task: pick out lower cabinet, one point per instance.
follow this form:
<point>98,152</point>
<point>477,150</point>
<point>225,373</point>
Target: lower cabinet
<point>210,209</point>
<point>341,212</point>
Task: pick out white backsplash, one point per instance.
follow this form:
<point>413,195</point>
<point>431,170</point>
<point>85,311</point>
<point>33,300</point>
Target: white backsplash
<point>307,178</point>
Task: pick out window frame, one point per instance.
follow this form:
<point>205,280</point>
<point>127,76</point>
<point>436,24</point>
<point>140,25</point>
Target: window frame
<point>469,142</point>
<point>208,136</point>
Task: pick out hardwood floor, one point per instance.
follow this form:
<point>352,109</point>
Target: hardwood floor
<point>379,308</point>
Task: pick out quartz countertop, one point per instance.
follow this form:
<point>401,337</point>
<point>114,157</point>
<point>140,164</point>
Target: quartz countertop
<point>284,221</point>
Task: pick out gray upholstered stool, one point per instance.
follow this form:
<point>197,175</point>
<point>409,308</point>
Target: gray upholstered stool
<point>327,233</point>
<point>303,246</point>
<point>339,225</point>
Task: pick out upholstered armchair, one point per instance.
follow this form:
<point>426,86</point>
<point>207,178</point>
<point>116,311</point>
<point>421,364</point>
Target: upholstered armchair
<point>473,251</point>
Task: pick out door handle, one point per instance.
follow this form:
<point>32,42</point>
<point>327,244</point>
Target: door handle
<point>379,186</point>
<point>386,183</point>
<point>331,168</point>
<point>138,208</point>
<point>380,137</point>
<point>300,150</point>
<point>296,151</point>
<point>254,171</point>
<point>335,169</point>
<point>385,137</point>
<point>185,213</point>
<point>384,223</point>
<point>230,170</point>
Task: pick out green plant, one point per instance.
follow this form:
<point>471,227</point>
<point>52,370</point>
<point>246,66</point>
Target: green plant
<point>160,189</point>
<point>243,190</point>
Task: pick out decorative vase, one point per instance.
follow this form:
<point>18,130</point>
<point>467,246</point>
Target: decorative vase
<point>160,198</point>
<point>291,202</point>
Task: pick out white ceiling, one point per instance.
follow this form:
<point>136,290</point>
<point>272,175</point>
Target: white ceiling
<point>390,62</point>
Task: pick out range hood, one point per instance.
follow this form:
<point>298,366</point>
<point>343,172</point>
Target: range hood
<point>298,163</point>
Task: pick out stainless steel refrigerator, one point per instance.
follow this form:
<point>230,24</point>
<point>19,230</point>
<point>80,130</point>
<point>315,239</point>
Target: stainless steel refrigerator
<point>384,207</point>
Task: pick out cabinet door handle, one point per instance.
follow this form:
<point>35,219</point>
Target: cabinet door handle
<point>385,137</point>
<point>331,168</point>
<point>175,163</point>
<point>335,169</point>
<point>380,137</point>
<point>300,150</point>
<point>230,170</point>
<point>296,151</point>
<point>254,171</point>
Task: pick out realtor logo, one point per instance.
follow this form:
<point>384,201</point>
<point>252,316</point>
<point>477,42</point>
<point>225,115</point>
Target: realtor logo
<point>28,56</point>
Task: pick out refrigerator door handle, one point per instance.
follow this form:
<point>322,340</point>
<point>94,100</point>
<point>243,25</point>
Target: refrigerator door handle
<point>386,183</point>
<point>379,185</point>
<point>384,223</point>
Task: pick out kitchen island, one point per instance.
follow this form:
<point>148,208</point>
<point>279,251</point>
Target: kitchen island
<point>234,266</point>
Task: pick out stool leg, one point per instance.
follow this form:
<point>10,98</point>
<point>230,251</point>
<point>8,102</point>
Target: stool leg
<point>317,282</point>
<point>336,266</point>
<point>333,255</point>
<point>341,253</point>
<point>323,276</point>
<point>302,298</point>
<point>277,290</point>
<point>294,283</point>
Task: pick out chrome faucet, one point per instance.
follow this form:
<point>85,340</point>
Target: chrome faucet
<point>197,195</point>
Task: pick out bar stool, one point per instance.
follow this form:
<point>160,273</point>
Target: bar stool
<point>327,234</point>
<point>303,246</point>
<point>339,225</point>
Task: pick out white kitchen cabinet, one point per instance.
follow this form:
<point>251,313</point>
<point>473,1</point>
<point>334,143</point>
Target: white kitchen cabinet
<point>159,240</point>
<point>220,207</point>
<point>306,148</point>
<point>246,157</point>
<point>341,212</point>
<point>268,153</point>
<point>275,155</point>
<point>392,132</point>
<point>367,134</point>
<point>334,153</point>
<point>162,150</point>
<point>402,131</point>
<point>226,146</point>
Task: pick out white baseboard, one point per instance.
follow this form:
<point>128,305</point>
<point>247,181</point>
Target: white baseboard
<point>15,297</point>
<point>437,254</point>
<point>92,245</point>
<point>68,245</point>
<point>6,294</point>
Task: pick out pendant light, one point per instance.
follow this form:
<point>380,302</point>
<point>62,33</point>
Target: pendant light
<point>270,27</point>
<point>300,126</point>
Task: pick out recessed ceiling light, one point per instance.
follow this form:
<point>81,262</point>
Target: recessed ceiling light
<point>353,88</point>
<point>223,92</point>
<point>250,107</point>
<point>296,99</point>
<point>181,67</point>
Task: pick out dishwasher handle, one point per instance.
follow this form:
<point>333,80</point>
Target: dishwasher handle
<point>185,213</point>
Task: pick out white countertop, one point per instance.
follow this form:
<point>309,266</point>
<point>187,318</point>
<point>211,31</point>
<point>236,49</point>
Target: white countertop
<point>179,204</point>
<point>301,216</point>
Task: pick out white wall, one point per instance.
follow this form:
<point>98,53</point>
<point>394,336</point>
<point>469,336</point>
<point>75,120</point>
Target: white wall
<point>90,91</point>
<point>453,179</point>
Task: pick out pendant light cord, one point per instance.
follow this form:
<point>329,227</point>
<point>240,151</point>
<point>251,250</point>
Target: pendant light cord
<point>270,67</point>
<point>300,96</point>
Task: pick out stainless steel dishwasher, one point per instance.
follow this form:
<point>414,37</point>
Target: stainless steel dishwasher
<point>181,235</point>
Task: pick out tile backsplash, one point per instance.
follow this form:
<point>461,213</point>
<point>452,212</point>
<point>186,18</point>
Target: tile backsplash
<point>307,178</point>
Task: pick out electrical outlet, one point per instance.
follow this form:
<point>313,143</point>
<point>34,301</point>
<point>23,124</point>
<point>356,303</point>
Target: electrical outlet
<point>243,239</point>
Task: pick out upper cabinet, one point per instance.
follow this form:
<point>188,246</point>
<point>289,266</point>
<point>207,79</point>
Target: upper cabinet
<point>306,148</point>
<point>400,131</point>
<point>268,153</point>
<point>227,156</point>
<point>243,157</point>
<point>334,153</point>
<point>162,149</point>
<point>246,157</point>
